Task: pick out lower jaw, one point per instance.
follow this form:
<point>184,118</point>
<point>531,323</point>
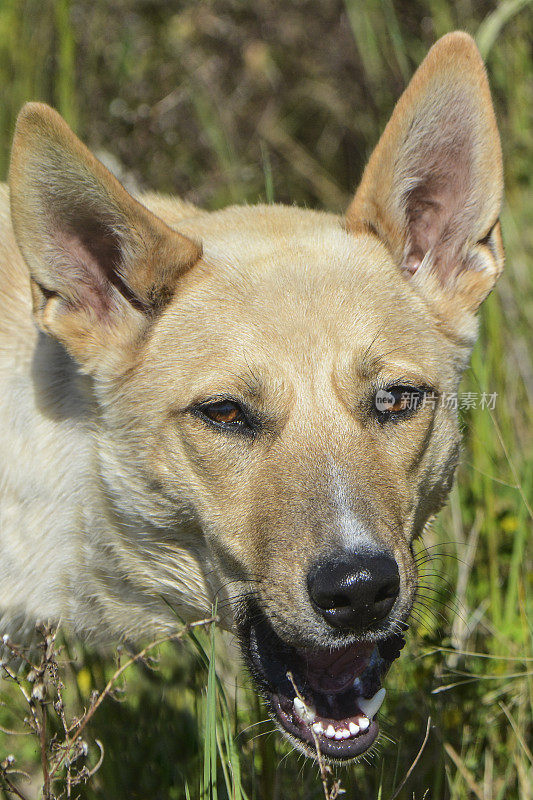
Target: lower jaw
<point>332,749</point>
<point>281,672</point>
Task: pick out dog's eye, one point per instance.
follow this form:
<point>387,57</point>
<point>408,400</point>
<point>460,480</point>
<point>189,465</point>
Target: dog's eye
<point>224,413</point>
<point>397,401</point>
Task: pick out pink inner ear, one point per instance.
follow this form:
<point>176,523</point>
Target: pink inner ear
<point>437,207</point>
<point>82,273</point>
<point>411,264</point>
<point>90,260</point>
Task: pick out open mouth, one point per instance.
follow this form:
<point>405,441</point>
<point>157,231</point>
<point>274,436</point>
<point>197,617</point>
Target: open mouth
<point>321,699</point>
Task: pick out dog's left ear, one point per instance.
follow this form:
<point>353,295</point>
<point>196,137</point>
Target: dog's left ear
<point>432,189</point>
<point>101,265</point>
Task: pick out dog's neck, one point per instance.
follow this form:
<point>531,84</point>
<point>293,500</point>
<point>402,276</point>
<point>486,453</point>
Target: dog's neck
<point>104,566</point>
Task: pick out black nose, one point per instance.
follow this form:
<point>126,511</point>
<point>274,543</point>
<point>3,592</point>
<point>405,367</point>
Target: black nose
<point>355,591</point>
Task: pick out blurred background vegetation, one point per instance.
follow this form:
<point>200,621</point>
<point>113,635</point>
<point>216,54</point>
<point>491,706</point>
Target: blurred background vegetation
<point>227,101</point>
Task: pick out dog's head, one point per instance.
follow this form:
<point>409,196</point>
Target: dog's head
<point>279,376</point>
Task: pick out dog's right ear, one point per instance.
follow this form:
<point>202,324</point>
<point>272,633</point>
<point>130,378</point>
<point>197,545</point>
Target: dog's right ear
<point>101,265</point>
<point>432,189</point>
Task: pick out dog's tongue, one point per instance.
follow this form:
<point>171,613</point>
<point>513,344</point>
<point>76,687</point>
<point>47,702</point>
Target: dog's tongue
<point>334,671</point>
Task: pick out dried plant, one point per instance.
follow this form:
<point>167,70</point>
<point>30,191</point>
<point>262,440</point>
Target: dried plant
<point>64,750</point>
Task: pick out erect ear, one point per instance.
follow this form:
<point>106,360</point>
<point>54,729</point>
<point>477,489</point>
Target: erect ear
<point>432,189</point>
<point>101,265</point>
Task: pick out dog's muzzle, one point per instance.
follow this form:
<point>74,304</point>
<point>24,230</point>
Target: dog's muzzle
<point>324,699</point>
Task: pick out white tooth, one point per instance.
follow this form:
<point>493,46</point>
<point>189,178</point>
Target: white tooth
<point>317,727</point>
<point>338,735</point>
<point>299,706</point>
<point>345,733</point>
<point>353,728</point>
<point>330,732</point>
<point>364,723</point>
<point>306,713</point>
<point>372,706</point>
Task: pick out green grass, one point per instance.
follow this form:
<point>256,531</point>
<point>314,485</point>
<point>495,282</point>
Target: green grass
<point>227,102</point>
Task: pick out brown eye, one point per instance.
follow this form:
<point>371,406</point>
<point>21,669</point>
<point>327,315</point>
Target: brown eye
<point>397,401</point>
<point>226,414</point>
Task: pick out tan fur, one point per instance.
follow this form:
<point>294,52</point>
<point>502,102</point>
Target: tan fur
<point>118,502</point>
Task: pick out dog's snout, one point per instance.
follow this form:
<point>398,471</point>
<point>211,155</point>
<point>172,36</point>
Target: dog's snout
<point>356,591</point>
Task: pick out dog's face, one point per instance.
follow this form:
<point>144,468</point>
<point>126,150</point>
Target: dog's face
<point>279,375</point>
<point>308,471</point>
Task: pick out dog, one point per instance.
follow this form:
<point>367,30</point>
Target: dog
<point>234,406</point>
